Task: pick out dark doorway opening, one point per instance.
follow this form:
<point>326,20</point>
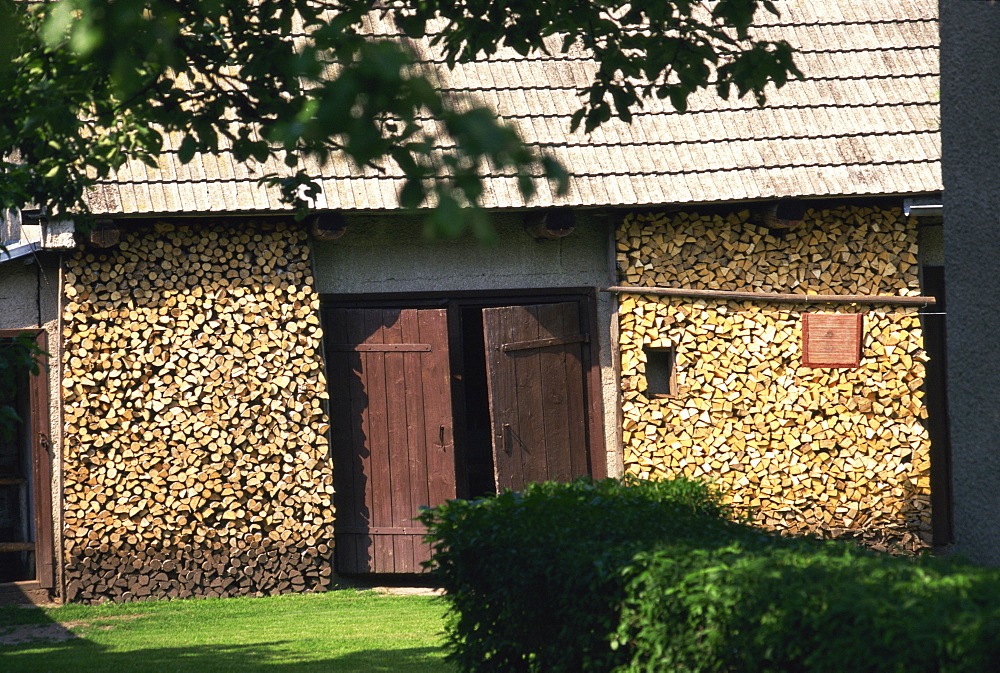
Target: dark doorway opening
<point>17,531</point>
<point>936,399</point>
<point>474,432</point>
<point>26,542</point>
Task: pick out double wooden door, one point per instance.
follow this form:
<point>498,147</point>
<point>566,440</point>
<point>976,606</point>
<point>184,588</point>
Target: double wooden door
<point>393,424</point>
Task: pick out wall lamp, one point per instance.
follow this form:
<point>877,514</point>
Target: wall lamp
<point>328,226</point>
<point>550,224</point>
<point>784,215</point>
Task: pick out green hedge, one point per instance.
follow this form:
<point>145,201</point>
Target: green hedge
<point>534,578</point>
<point>789,606</point>
<point>655,577</point>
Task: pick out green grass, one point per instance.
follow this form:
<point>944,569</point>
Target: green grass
<point>329,633</point>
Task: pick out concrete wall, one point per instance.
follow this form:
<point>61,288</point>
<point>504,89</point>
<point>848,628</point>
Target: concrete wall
<point>29,298</point>
<point>970,98</point>
<point>390,254</point>
<point>382,254</point>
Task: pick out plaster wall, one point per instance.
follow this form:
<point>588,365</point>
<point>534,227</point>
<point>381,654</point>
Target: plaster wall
<point>970,98</point>
<point>388,254</point>
<point>930,238</point>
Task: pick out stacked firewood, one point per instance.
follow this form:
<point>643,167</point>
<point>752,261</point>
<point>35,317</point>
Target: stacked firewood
<point>835,451</point>
<point>196,459</point>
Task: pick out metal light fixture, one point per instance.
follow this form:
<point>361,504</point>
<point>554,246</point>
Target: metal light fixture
<point>550,224</point>
<point>784,215</point>
<point>328,226</point>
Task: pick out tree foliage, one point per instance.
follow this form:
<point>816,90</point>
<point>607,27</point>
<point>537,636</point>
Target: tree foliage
<point>90,84</point>
<point>20,357</point>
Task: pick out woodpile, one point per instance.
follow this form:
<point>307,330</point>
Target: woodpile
<point>834,451</point>
<point>196,461</point>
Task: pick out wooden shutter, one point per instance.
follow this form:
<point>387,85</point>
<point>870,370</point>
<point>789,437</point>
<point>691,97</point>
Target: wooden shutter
<point>390,409</point>
<point>536,382</point>
<point>832,339</point>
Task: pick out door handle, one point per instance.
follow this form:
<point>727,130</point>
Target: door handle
<point>505,431</point>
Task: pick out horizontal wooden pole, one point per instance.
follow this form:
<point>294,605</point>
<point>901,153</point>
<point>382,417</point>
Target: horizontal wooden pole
<point>381,530</point>
<point>379,348</point>
<point>16,546</point>
<point>542,343</point>
<point>775,297</point>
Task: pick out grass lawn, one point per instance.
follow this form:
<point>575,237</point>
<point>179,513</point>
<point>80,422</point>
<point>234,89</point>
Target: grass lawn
<point>346,630</point>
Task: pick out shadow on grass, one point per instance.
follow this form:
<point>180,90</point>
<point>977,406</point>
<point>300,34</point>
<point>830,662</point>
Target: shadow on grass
<point>82,656</point>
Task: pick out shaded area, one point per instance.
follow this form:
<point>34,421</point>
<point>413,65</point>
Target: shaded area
<point>21,625</point>
<point>84,656</point>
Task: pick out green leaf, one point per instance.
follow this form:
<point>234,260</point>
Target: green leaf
<point>447,220</point>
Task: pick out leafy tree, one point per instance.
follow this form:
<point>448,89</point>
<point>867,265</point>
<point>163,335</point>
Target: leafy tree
<point>89,84</point>
<point>19,357</point>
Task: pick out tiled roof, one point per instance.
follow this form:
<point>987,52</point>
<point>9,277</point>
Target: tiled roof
<point>864,122</point>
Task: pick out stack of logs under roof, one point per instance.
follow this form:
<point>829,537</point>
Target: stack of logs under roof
<point>834,451</point>
<point>196,461</point>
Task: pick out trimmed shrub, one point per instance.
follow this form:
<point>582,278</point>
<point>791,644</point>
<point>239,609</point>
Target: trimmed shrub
<point>534,578</point>
<point>793,606</point>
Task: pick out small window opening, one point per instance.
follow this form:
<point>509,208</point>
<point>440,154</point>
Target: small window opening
<point>661,375</point>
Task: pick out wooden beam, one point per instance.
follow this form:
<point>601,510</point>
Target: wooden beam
<point>775,297</point>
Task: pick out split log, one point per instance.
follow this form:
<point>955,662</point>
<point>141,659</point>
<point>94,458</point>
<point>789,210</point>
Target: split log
<point>826,450</point>
<point>177,409</point>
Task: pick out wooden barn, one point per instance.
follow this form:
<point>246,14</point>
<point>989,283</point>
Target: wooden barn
<point>235,405</point>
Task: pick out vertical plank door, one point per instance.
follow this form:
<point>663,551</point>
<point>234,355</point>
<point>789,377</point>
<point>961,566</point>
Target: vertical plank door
<point>391,433</point>
<point>536,383</point>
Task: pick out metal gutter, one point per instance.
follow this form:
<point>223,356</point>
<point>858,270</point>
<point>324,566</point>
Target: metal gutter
<point>12,252</point>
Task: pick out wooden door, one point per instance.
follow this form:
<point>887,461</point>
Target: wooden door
<point>535,374</point>
<point>391,430</point>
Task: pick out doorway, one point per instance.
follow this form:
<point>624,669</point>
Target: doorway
<point>434,399</point>
<point>26,543</point>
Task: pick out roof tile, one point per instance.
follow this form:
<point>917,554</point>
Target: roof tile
<point>865,121</point>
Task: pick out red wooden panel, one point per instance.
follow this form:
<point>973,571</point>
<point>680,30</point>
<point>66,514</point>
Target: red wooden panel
<point>436,392</point>
<point>399,447</point>
<point>498,325</point>
<point>390,407</point>
<point>831,339</point>
<point>537,392</point>
<point>378,445</point>
<point>41,469</point>
<point>553,361</point>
